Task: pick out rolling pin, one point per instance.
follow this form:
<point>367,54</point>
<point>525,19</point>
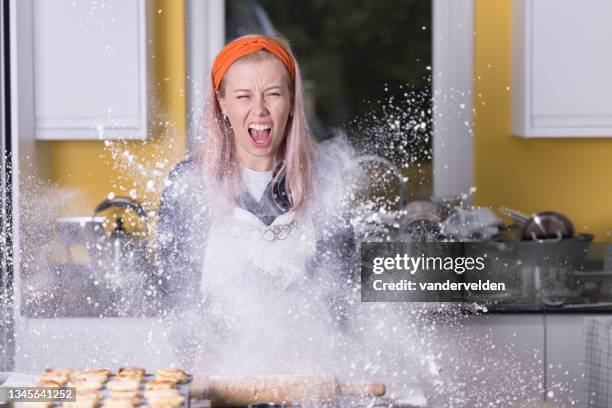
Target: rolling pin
<point>243,391</point>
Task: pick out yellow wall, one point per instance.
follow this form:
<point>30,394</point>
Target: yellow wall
<point>88,167</point>
<point>567,175</point>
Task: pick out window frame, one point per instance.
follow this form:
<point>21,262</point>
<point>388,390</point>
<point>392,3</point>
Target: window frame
<point>453,73</point>
<point>452,46</point>
<point>204,38</point>
<point>7,343</point>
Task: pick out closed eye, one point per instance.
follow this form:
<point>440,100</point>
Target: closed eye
<point>242,96</point>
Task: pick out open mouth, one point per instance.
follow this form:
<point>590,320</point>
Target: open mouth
<point>260,134</point>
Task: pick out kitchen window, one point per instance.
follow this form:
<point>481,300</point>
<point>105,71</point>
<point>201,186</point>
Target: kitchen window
<point>205,35</point>
<point>448,38</point>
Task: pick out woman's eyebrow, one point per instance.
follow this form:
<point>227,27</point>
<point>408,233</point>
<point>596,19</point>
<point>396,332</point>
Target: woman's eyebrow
<point>272,87</point>
<point>241,90</point>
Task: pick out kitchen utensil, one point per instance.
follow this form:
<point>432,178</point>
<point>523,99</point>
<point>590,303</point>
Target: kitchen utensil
<point>446,204</point>
<point>510,233</point>
<point>420,221</point>
<point>282,390</point>
<point>518,217</point>
<point>468,224</point>
<point>121,202</point>
<point>545,225</point>
<point>548,225</point>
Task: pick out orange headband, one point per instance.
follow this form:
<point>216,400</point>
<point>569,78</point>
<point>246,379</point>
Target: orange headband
<point>245,46</point>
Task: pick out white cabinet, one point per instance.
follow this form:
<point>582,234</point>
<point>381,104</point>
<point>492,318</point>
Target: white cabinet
<point>82,68</point>
<point>546,351</point>
<point>561,68</point>
<point>501,358</point>
<point>565,352</point>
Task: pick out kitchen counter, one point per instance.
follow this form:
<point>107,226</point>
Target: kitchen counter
<point>599,307</point>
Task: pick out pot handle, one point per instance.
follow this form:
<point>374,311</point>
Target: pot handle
<point>558,238</point>
<point>121,202</point>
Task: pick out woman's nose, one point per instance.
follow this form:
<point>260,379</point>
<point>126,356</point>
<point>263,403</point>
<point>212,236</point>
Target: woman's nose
<point>260,106</point>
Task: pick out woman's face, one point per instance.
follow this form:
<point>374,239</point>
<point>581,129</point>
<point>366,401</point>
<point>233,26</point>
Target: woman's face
<point>257,102</point>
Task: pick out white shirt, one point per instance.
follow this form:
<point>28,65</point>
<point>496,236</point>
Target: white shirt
<point>255,181</point>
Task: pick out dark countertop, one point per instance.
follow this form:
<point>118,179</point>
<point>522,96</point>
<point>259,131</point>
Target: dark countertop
<point>598,307</point>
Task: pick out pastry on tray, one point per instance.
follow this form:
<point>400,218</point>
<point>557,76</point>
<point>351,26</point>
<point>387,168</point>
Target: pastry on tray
<point>159,402</point>
<point>123,385</point>
<point>60,379</point>
<point>80,404</point>
<point>117,403</point>
<point>83,401</point>
<point>161,393</point>
<point>99,378</point>
<point>84,384</point>
<point>131,370</point>
<point>64,372</point>
<point>129,376</point>
<point>82,393</point>
<point>160,384</point>
<point>175,374</point>
<point>128,393</point>
<point>134,396</point>
<point>98,371</point>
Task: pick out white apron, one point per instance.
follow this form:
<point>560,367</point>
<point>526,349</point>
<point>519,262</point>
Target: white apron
<point>241,247</point>
<point>249,280</point>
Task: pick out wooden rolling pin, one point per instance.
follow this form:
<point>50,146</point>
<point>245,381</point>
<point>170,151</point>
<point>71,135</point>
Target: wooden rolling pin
<point>243,391</point>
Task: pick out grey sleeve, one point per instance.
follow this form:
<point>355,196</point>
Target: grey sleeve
<point>336,262</point>
<point>177,261</point>
<point>182,231</point>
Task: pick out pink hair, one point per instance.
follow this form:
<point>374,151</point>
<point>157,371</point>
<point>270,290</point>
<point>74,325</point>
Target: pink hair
<point>216,153</point>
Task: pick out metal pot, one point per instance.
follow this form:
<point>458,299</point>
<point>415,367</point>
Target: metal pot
<point>548,225</point>
<point>543,226</point>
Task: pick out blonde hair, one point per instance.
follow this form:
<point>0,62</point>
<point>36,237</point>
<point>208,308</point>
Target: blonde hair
<point>217,156</point>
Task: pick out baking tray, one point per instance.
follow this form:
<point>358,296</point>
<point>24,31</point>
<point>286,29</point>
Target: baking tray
<point>183,389</point>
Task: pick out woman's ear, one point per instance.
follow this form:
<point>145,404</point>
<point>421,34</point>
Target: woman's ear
<point>221,102</point>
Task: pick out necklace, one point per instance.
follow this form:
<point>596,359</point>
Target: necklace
<point>238,229</point>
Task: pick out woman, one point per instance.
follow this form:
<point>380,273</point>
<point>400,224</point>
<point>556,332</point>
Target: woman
<point>253,228</point>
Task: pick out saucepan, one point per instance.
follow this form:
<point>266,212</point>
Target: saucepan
<point>545,226</point>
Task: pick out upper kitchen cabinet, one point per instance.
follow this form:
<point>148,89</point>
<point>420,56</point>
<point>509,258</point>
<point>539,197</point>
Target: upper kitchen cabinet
<point>562,68</point>
<point>82,68</point>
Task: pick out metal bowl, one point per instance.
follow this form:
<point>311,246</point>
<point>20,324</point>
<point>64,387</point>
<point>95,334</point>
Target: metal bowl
<point>548,225</point>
